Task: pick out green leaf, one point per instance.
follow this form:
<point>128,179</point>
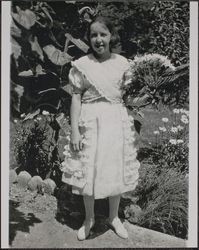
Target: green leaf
<point>56,56</point>
<point>15,31</point>
<point>26,73</point>
<point>36,47</point>
<point>16,94</point>
<point>32,115</point>
<point>79,43</point>
<point>25,18</point>
<point>138,126</point>
<point>15,49</point>
<point>62,121</point>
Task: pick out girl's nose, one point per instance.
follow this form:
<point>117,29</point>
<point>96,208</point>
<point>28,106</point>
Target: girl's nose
<point>98,39</point>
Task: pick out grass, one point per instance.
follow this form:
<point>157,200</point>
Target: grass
<point>164,203</point>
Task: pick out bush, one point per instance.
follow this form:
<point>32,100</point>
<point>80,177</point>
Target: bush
<point>164,200</point>
<point>171,143</point>
<point>33,147</point>
<point>162,191</point>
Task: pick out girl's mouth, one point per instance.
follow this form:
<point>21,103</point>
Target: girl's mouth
<point>99,46</point>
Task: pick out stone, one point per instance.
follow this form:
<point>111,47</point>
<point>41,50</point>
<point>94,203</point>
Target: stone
<point>23,178</point>
<point>49,186</point>
<point>132,213</point>
<point>35,183</point>
<point>12,176</point>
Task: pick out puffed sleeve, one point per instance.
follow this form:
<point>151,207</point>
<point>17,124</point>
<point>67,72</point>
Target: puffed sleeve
<point>76,81</point>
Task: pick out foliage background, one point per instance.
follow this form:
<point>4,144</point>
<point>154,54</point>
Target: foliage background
<point>40,62</point>
<point>38,30</point>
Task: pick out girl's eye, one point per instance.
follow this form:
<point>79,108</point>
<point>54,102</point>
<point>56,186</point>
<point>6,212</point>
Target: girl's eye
<point>93,35</point>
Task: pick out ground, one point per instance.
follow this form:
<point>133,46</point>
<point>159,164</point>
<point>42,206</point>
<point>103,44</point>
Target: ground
<point>35,223</point>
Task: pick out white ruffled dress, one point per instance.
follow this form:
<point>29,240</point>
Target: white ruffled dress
<point>107,164</point>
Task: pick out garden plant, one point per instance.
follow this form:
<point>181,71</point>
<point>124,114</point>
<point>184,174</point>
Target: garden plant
<point>47,36</point>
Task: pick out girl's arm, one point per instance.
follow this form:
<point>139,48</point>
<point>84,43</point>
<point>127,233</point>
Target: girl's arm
<point>75,110</point>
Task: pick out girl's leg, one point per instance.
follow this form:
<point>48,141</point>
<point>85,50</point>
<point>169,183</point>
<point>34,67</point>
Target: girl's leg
<point>89,207</point>
<point>114,202</point>
<point>89,221</point>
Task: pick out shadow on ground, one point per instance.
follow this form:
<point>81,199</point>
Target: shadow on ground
<point>70,211</point>
<point>19,221</point>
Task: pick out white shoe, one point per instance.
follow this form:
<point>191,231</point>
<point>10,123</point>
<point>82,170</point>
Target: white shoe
<point>119,228</point>
<point>84,230</point>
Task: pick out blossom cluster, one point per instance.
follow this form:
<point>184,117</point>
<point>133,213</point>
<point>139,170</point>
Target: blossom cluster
<point>173,131</point>
<point>152,58</point>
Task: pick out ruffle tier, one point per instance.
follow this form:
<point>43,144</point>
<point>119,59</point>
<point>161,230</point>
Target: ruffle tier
<point>80,169</point>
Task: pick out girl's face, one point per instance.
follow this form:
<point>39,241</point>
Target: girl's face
<point>100,38</point>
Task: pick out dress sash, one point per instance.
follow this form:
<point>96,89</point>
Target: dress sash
<point>105,76</point>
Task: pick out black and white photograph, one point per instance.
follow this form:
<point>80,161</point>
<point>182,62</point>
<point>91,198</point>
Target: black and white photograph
<point>100,144</point>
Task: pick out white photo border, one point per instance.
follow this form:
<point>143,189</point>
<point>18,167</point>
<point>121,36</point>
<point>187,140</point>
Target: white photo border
<point>5,119</point>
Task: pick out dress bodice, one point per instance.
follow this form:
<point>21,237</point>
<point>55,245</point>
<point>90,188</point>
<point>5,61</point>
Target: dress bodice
<point>96,80</point>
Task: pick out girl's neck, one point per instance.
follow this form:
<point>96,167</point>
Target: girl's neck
<point>102,58</point>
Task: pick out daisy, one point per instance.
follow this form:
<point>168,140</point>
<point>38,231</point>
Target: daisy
<point>173,141</point>
<point>165,119</point>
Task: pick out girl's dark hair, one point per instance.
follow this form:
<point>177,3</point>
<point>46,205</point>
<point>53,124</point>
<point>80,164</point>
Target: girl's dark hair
<point>109,24</point>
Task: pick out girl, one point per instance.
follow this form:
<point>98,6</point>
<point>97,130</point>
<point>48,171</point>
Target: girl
<point>100,160</point>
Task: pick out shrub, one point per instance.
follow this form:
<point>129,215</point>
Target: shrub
<point>155,80</point>
<point>162,191</point>
<point>33,147</point>
<point>164,201</point>
<point>171,143</point>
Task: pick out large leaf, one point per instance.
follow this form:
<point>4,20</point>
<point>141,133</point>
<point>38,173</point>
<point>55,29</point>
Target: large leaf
<point>68,88</point>
<point>16,94</point>
<point>79,43</point>
<point>26,73</point>
<point>29,73</point>
<point>138,126</point>
<point>32,115</point>
<point>63,123</point>
<point>36,47</point>
<point>56,56</point>
<point>15,31</point>
<point>15,49</point>
<point>25,18</point>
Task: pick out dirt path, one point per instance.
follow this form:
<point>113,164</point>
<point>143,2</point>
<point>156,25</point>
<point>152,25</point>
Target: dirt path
<point>34,224</point>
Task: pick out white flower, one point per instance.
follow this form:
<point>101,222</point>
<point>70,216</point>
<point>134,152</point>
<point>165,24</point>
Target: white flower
<point>68,137</point>
<point>67,147</point>
<point>179,141</point>
<point>23,115</point>
<point>182,111</point>
<point>156,132</point>
<point>131,119</point>
<point>152,57</point>
<point>78,174</point>
<point>173,141</point>
<point>165,119</point>
<point>176,111</point>
<point>184,119</point>
<point>15,121</point>
<point>44,112</point>
<point>186,112</point>
<point>163,129</point>
<point>174,129</point>
<point>180,127</point>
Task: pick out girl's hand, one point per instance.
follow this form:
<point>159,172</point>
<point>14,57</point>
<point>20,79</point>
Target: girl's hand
<point>76,141</point>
